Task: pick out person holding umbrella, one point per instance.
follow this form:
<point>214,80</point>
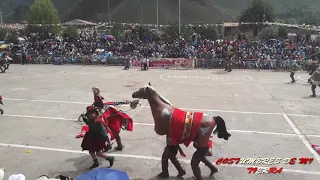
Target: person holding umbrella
<point>96,139</point>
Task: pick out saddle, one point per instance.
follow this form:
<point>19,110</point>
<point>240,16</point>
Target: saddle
<point>184,126</point>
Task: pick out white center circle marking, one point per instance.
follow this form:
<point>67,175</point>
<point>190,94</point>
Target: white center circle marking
<point>206,80</point>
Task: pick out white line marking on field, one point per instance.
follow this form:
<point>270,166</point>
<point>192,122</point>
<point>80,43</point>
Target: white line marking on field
<point>302,78</point>
<point>46,101</point>
<point>192,109</point>
<point>302,138</point>
<point>151,124</point>
<point>214,83</point>
<point>137,157</point>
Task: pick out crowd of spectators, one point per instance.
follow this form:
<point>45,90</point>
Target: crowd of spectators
<point>87,44</point>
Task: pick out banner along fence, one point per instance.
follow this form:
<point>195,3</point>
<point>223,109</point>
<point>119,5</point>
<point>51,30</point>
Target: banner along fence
<point>165,63</point>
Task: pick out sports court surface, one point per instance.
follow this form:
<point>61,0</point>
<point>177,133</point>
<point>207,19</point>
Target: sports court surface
<point>266,115</point>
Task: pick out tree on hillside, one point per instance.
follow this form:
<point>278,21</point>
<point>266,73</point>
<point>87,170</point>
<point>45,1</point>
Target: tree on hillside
<point>257,11</point>
<point>43,12</point>
<point>3,33</point>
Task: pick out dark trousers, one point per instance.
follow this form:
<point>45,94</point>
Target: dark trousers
<point>292,76</point>
<point>24,60</point>
<point>170,152</point>
<point>200,156</point>
<point>313,89</point>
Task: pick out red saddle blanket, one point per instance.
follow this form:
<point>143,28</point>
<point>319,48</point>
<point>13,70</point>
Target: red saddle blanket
<point>114,120</point>
<point>184,126</point>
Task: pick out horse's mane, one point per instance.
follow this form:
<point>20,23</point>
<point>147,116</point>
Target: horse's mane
<point>163,99</point>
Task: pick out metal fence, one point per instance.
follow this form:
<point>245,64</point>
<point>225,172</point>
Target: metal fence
<point>71,59</point>
<point>249,64</point>
<point>198,63</point>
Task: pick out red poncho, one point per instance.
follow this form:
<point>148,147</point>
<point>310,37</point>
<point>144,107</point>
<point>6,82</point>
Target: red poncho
<point>184,126</point>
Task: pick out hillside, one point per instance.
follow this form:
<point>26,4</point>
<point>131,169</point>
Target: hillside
<point>144,11</point>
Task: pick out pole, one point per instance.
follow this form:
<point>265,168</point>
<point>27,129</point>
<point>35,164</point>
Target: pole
<point>1,20</point>
<point>157,16</point>
<point>109,17</point>
<point>179,17</point>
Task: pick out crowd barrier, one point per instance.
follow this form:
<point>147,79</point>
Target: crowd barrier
<point>167,63</point>
<point>164,63</point>
<point>249,64</point>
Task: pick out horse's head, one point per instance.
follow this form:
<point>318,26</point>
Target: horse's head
<point>144,92</point>
<point>147,92</point>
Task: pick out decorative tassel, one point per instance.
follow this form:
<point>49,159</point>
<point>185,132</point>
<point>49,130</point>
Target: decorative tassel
<point>210,146</point>
<point>181,152</point>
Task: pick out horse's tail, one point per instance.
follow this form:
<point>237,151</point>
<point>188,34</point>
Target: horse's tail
<point>221,128</point>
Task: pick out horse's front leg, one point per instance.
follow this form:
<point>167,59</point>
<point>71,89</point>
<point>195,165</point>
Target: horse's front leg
<point>1,111</point>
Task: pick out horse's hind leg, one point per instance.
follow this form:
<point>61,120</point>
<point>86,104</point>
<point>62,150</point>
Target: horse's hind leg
<point>1,111</point>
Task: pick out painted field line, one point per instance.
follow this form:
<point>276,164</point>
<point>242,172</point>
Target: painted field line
<point>302,78</point>
<point>192,109</point>
<point>151,124</point>
<point>136,157</point>
<point>302,137</point>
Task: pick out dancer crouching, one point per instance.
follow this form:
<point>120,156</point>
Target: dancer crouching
<point>96,139</point>
<point>315,78</point>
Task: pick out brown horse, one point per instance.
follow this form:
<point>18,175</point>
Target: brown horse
<point>184,127</point>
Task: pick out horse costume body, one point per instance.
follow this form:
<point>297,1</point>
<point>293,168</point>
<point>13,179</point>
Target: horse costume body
<point>184,127</point>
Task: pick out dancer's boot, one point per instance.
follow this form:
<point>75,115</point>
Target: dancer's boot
<point>165,164</point>
<point>176,163</point>
<point>210,166</point>
<point>119,146</point>
<point>95,164</point>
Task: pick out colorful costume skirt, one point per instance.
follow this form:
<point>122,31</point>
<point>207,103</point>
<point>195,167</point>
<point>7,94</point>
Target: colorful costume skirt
<point>94,144</point>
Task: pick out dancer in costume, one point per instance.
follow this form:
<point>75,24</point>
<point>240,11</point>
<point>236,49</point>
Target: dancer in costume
<point>184,127</point>
<point>96,139</point>
<point>170,152</point>
<point>315,78</point>
<point>98,99</point>
<point>113,122</point>
<point>228,65</point>
<point>1,110</point>
<point>293,70</point>
<point>313,68</point>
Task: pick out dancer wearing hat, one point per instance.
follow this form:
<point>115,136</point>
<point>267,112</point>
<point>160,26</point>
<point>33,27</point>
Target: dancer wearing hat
<point>98,103</point>
<point>315,78</point>
<point>96,139</point>
<point>98,99</point>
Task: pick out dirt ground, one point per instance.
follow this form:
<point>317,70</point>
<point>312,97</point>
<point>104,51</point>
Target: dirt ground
<point>266,115</point>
